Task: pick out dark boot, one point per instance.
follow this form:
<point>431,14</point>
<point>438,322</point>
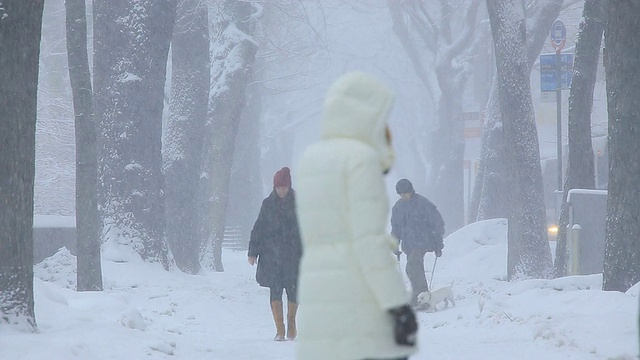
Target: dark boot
<point>292,331</point>
<point>278,318</point>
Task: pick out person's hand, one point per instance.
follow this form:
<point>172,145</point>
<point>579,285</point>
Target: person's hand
<point>438,252</point>
<point>252,260</point>
<point>405,327</point>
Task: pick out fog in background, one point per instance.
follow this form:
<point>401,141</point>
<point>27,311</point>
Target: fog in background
<point>302,50</point>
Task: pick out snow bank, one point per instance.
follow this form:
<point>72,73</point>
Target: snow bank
<point>146,312</point>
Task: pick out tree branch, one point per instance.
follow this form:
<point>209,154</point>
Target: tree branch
<point>429,35</point>
<point>400,28</point>
<point>466,37</point>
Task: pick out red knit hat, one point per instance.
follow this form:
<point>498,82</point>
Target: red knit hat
<point>282,177</point>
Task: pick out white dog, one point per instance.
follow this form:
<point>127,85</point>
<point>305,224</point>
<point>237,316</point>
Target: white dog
<point>430,299</point>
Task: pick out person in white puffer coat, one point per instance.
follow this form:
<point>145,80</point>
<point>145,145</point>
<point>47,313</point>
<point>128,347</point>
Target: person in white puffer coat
<point>354,304</point>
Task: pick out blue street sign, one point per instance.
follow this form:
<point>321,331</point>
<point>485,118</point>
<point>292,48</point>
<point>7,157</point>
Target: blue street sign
<point>548,77</point>
<point>558,34</point>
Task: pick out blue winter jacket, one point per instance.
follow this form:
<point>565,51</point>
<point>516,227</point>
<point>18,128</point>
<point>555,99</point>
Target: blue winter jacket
<point>417,223</point>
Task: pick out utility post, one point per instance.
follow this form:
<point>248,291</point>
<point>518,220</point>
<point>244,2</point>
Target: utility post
<point>558,40</point>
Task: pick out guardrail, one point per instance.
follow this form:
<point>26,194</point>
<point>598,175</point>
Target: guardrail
<point>233,239</point>
<point>51,232</point>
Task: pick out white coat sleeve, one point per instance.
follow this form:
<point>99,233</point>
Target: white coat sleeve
<point>372,246</point>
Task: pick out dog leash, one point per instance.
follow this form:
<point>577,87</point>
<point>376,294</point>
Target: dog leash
<point>432,272</point>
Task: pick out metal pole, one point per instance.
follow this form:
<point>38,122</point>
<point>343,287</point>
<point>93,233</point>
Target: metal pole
<point>466,218</point>
<point>575,263</point>
<point>559,113</point>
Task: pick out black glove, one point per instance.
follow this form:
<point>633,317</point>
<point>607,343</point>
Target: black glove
<point>439,249</point>
<point>405,327</point>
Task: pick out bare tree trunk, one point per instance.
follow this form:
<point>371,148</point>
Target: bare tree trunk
<point>246,184</point>
<point>528,248</point>
<point>580,168</point>
<point>419,144</point>
<point>491,177</point>
<point>20,27</point>
<point>55,134</point>
<point>447,172</point>
<point>234,52</point>
<point>488,195</point>
<point>89,274</point>
<point>622,248</point>
<point>182,145</point>
<point>131,45</point>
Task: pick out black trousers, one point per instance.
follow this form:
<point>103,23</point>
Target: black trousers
<point>275,293</point>
<point>415,273</point>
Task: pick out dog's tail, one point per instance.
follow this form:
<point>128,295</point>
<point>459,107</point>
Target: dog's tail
<point>451,284</point>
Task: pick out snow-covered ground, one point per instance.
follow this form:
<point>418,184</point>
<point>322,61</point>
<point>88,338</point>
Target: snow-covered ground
<point>148,313</point>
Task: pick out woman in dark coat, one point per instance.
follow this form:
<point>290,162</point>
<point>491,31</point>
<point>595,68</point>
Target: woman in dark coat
<point>275,246</point>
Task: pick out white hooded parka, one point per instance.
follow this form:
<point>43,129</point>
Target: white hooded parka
<point>349,278</point>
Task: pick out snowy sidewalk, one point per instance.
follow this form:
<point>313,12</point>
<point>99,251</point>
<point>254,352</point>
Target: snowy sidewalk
<point>148,313</point>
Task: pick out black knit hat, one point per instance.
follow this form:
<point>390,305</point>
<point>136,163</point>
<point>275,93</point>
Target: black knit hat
<point>404,186</point>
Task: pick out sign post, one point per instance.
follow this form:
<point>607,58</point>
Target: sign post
<point>548,79</point>
<point>558,39</point>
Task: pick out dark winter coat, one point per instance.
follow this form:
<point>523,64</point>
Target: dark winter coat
<point>417,223</point>
<point>275,241</point>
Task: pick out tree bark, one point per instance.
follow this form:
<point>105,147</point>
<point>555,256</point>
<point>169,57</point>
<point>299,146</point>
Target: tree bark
<point>89,270</point>
<point>182,145</point>
<point>580,167</point>
<point>233,54</point>
<point>528,248</point>
<point>55,134</point>
<point>20,27</point>
<point>622,247</point>
<point>488,199</point>
<point>131,44</point>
